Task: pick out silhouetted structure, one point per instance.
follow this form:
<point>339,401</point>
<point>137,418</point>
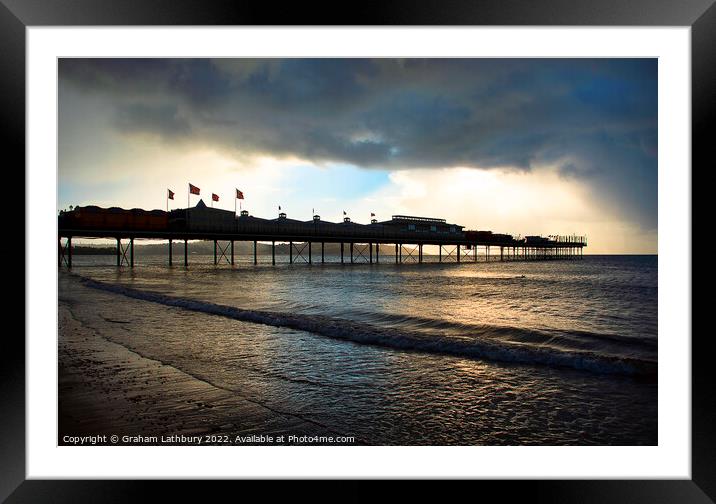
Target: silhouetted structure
<point>225,227</point>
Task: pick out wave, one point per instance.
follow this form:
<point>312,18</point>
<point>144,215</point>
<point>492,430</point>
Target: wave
<point>577,337</point>
<point>395,338</point>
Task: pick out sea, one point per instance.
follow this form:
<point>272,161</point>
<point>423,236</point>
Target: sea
<point>477,353</point>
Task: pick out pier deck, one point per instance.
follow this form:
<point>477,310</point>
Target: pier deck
<point>355,248</point>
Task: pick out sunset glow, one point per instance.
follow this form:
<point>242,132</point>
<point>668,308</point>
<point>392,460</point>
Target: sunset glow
<point>423,143</point>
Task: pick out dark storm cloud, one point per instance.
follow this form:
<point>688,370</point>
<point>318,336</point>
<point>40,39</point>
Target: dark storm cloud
<point>596,119</point>
<point>160,120</point>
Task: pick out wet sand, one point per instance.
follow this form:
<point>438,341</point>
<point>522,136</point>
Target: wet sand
<point>132,366</point>
<point>107,389</point>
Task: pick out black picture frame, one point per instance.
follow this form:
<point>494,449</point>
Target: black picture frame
<point>700,15</point>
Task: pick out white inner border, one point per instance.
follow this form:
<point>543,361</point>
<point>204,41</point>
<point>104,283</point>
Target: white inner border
<point>670,459</point>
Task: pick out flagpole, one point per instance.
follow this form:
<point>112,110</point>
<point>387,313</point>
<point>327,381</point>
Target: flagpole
<point>187,196</point>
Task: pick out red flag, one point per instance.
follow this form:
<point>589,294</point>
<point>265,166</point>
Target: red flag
<point>170,194</point>
<point>214,197</point>
<point>193,189</point>
<point>239,194</point>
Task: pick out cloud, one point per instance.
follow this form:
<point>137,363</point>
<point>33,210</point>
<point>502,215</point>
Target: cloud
<point>163,121</point>
<point>514,202</point>
<point>596,118</point>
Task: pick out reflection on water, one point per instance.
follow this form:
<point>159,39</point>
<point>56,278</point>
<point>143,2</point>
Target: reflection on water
<point>557,352</point>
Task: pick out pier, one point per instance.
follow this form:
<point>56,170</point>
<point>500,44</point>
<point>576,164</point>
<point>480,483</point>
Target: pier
<point>400,240</point>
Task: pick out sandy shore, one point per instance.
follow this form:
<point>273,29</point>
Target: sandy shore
<point>107,389</point>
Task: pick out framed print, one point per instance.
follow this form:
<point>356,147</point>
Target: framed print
<point>430,244</point>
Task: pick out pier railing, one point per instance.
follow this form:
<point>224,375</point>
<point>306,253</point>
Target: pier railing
<point>365,243</point>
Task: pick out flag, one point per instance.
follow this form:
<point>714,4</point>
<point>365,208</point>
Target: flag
<point>279,207</point>
<point>214,197</point>
<point>239,194</point>
<point>170,194</point>
<point>193,189</point>
<point>344,212</point>
<point>372,214</point>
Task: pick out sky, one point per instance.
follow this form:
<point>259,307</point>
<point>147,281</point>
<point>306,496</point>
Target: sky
<point>519,146</point>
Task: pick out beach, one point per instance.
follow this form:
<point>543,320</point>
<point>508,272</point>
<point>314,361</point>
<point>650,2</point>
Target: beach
<point>108,389</point>
<point>474,354</point>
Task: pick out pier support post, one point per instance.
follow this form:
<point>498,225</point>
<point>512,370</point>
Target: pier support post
<point>341,252</point>
<point>186,252</point>
<point>232,252</point>
<point>458,252</point>
<point>309,253</point>
<point>377,253</point>
<point>69,252</point>
<point>273,253</point>
<point>474,253</point>
<point>119,252</point>
<point>370,249</point>
<point>170,251</point>
<point>420,253</point>
<point>131,252</point>
<point>440,253</point>
<point>400,252</point>
<point>255,257</point>
<point>351,252</point>
<point>502,253</point>
<point>214,252</point>
<point>396,253</point>
<point>323,252</point>
<point>290,252</point>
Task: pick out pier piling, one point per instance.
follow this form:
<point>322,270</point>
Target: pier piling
<point>456,244</point>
